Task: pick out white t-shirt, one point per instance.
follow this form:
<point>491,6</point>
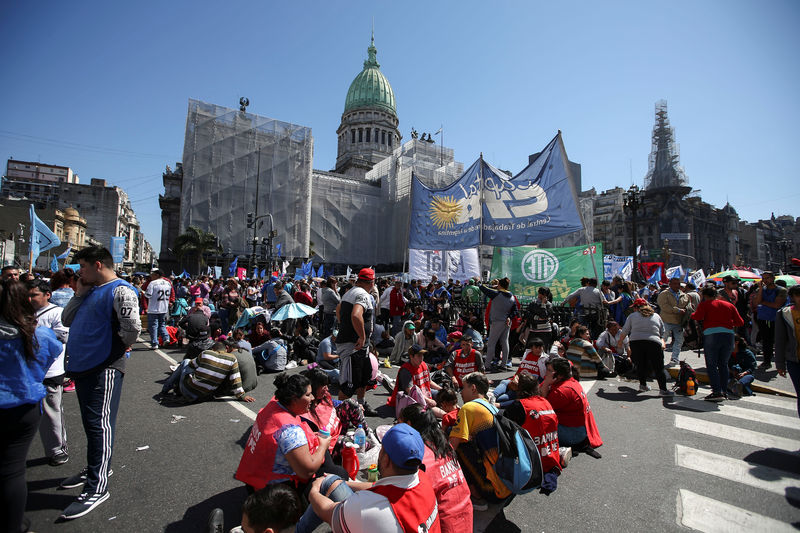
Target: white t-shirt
<point>368,512</point>
<point>49,316</point>
<point>157,293</point>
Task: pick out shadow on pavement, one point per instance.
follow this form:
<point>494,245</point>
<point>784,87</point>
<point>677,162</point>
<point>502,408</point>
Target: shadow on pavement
<point>774,458</point>
<point>196,517</point>
<point>625,394</point>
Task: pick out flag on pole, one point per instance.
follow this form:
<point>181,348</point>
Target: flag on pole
<point>675,272</point>
<point>278,249</point>
<point>54,264</point>
<point>284,266</point>
<point>349,271</point>
<point>255,272</point>
<point>656,277</point>
<point>232,267</point>
<point>42,238</point>
<point>65,254</point>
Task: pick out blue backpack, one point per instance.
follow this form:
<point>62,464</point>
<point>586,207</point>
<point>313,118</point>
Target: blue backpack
<point>519,465</point>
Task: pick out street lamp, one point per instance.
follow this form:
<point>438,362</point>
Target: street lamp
<point>784,245</point>
<point>631,203</point>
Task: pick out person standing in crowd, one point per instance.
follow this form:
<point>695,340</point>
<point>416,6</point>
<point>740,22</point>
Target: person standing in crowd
<point>673,305</point>
<point>329,300</point>
<point>646,331</point>
<point>52,429</point>
<point>503,309</point>
<point>733,294</point>
<point>768,298</point>
<point>26,352</point>
<point>720,320</point>
<point>355,316</point>
<point>159,294</point>
<point>538,320</point>
<point>592,305</point>
<point>397,306</point>
<point>61,292</point>
<point>787,341</point>
<point>103,318</point>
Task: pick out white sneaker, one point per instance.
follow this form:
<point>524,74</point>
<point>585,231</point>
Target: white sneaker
<point>566,455</point>
<point>291,364</point>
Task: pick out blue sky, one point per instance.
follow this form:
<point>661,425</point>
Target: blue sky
<point>104,87</point>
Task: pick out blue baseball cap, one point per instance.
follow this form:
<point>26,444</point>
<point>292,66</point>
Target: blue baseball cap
<point>403,444</point>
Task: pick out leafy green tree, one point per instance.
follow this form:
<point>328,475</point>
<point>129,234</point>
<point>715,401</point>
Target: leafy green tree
<point>196,243</point>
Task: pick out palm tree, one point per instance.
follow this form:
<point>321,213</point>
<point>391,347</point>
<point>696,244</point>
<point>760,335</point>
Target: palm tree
<point>196,242</point>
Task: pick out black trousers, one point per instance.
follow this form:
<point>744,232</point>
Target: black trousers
<point>19,425</point>
<point>649,357</point>
<point>767,330</point>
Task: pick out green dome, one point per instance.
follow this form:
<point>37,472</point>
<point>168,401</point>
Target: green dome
<point>370,88</point>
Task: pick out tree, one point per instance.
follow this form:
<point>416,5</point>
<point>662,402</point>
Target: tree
<point>196,242</point>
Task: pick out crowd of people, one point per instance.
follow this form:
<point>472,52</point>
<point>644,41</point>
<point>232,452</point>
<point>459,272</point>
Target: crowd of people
<point>448,339</point>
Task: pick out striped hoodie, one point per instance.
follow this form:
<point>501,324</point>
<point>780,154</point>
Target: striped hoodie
<point>211,369</point>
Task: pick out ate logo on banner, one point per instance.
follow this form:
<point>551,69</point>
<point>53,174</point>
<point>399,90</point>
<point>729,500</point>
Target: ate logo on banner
<point>539,266</point>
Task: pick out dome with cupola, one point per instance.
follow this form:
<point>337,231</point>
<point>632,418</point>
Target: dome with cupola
<point>370,89</point>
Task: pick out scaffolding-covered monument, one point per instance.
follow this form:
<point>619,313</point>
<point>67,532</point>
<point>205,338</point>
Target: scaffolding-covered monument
<point>236,163</point>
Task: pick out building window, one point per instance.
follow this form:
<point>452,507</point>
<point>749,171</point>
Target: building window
<point>368,130</point>
<point>383,137</point>
<point>360,135</point>
<point>354,136</point>
<point>390,140</point>
<point>377,136</point>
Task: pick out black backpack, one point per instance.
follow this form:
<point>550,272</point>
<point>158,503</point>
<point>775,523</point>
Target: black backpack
<point>684,373</point>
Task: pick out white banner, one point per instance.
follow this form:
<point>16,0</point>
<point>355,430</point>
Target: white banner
<point>617,265</point>
<point>456,264</point>
<point>698,277</point>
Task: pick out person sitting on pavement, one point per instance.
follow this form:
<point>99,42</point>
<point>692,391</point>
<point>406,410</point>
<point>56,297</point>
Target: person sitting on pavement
<point>274,509</point>
<point>534,362</point>
<point>414,381</point>
<point>607,344</point>
<point>197,327</point>
<point>282,446</point>
<point>576,425</point>
<point>646,331</point>
<point>464,361</point>
<point>787,341</point>
<point>272,355</point>
<point>433,347</point>
<point>385,345</point>
<point>447,400</point>
<point>327,358</point>
<point>742,367</point>
<point>282,297</point>
<point>401,500</point>
<point>259,334</point>
<point>244,357</point>
<point>535,414</point>
<point>584,356</point>
<point>213,370</point>
<point>475,440</point>
<point>441,465</point>
<point>453,341</point>
<point>402,342</point>
<point>199,307</point>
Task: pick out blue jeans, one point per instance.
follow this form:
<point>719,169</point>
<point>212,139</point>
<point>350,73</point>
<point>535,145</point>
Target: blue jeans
<point>310,521</point>
<point>718,348</point>
<point>98,398</point>
<point>157,327</point>
<point>676,330</point>
<point>177,376</point>
<point>503,395</point>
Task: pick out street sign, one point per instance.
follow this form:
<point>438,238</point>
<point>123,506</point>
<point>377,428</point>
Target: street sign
<point>677,236</point>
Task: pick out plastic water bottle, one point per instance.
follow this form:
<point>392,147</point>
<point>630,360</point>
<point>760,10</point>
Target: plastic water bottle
<point>360,439</point>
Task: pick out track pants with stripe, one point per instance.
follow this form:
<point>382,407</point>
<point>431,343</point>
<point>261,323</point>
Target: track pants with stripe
<point>98,397</point>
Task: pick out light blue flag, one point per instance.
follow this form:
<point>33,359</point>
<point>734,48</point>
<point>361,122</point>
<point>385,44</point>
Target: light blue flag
<point>232,267</point>
<point>675,272</point>
<point>75,267</point>
<point>307,269</point>
<point>656,277</point>
<point>185,274</point>
<point>278,249</point>
<point>42,238</point>
<point>118,249</point>
<point>321,271</point>
<point>255,273</point>
<point>217,271</point>
<point>263,273</point>
<point>65,254</point>
<point>54,264</point>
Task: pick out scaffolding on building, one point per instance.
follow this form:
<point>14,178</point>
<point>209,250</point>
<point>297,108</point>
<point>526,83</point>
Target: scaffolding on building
<point>664,163</point>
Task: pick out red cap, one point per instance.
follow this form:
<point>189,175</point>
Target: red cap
<point>639,302</point>
<point>198,300</point>
<point>367,274</point>
<point>456,335</point>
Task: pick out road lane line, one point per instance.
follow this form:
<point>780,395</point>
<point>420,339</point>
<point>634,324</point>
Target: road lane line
<point>757,476</point>
<point>587,385</point>
<point>712,516</point>
<point>733,433</point>
<point>758,416</point>
<point>789,405</point>
<point>233,403</point>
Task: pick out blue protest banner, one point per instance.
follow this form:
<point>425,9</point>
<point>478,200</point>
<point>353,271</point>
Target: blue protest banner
<point>118,249</point>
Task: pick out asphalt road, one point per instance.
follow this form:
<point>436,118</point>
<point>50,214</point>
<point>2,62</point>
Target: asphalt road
<point>667,464</point>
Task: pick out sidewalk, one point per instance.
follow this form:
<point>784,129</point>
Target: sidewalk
<point>768,382</point>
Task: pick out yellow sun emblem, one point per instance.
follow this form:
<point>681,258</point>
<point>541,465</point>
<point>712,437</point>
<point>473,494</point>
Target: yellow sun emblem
<point>445,211</point>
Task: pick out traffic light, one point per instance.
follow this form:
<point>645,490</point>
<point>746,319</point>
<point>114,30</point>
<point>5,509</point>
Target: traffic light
<point>273,233</point>
<point>251,219</point>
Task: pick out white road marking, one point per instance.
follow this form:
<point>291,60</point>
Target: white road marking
<point>789,405</point>
<point>757,476</point>
<point>236,404</point>
<point>712,516</point>
<point>587,385</point>
<point>759,416</point>
<point>733,433</point>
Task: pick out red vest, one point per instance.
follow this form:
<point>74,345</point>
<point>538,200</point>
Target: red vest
<point>416,509</point>
<point>569,392</point>
<point>463,365</point>
<point>542,424</point>
<point>396,303</point>
<point>419,376</point>
<point>531,363</point>
<point>325,417</point>
<point>258,459</point>
<point>452,492</point>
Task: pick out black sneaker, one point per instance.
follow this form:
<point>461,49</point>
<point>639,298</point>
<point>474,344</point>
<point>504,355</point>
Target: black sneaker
<point>78,479</point>
<point>84,505</point>
<point>216,521</point>
<point>714,397</point>
<point>58,459</point>
<point>368,411</point>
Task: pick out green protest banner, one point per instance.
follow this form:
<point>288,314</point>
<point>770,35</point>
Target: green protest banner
<point>560,269</point>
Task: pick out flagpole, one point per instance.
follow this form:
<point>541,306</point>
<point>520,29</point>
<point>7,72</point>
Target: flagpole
<point>480,226</point>
<point>408,227</point>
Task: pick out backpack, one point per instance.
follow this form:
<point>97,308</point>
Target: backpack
<point>684,373</point>
<point>518,465</point>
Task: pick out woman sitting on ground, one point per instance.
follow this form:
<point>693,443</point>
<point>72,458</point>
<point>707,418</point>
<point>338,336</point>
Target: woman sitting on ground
<point>444,472</point>
<point>533,362</point>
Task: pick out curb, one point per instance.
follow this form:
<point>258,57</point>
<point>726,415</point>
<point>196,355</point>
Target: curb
<point>702,377</point>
